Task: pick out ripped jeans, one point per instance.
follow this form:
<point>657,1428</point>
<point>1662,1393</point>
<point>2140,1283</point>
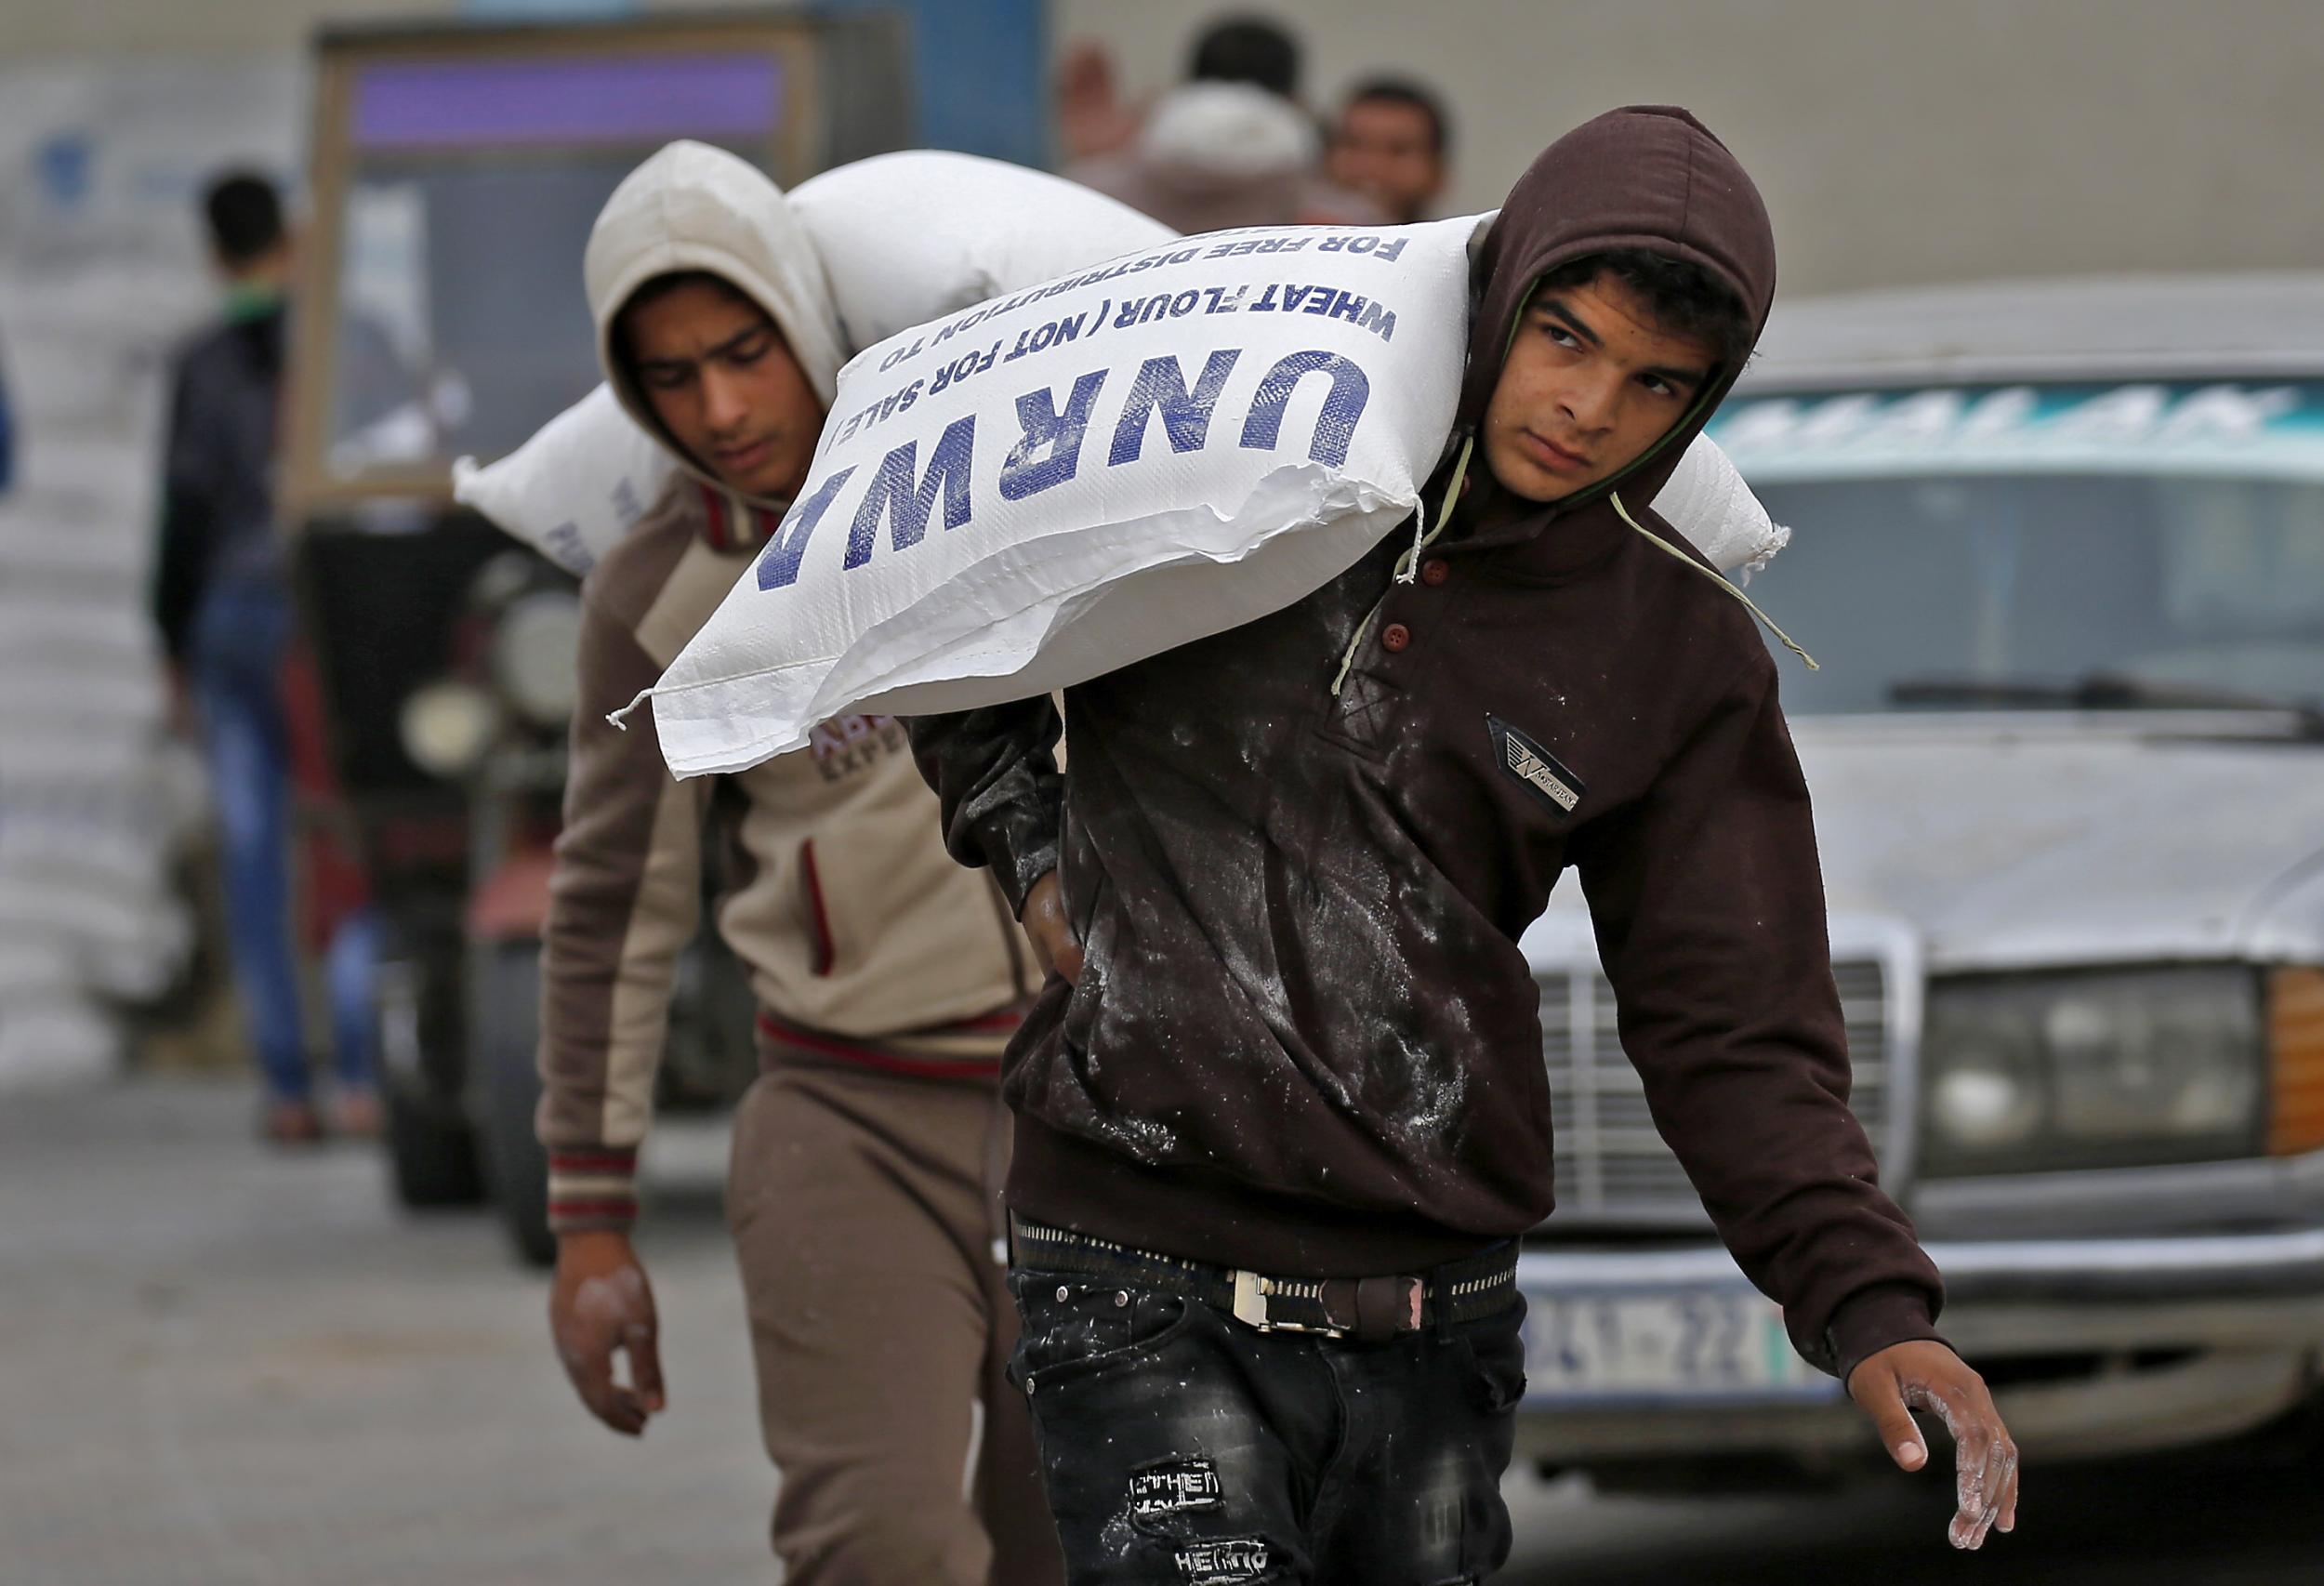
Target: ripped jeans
<point>1181,1447</point>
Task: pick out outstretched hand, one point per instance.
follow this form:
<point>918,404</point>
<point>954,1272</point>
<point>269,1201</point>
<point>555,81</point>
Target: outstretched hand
<point>1924,1375</point>
<point>1044,921</point>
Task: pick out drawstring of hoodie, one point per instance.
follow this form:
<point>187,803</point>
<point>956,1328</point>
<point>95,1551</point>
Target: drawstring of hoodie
<point>1408,564</point>
<point>1752,606</point>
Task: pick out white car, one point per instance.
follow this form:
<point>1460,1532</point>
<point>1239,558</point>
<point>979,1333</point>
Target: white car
<point>2060,549</point>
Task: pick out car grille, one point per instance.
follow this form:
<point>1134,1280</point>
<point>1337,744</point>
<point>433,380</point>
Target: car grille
<point>1612,1168</point>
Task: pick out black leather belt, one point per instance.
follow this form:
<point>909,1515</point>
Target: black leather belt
<point>1371,1310</point>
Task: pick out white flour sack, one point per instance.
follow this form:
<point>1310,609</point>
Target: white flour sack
<point>1066,479</point>
<point>904,239</point>
<point>1706,500</point>
<point>912,237</point>
<point>581,483</point>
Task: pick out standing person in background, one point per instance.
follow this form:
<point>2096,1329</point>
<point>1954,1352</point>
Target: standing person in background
<point>1392,143</point>
<point>1230,147</point>
<point>221,599</point>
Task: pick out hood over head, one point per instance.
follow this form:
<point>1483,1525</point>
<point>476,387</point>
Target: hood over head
<point>696,208</point>
<point>1643,177</point>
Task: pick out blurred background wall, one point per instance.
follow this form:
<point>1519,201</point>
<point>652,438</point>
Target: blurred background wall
<point>1896,141</point>
<point>1899,140</point>
<point>102,157</point>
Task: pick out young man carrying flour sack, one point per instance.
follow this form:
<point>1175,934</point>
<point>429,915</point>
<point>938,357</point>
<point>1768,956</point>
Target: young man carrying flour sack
<point>889,978</point>
<point>1282,1116</point>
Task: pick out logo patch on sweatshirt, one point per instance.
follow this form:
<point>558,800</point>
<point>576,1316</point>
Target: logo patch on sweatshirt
<point>1536,767</point>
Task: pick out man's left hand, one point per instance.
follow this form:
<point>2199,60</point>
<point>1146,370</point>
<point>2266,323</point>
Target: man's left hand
<point>1924,1375</point>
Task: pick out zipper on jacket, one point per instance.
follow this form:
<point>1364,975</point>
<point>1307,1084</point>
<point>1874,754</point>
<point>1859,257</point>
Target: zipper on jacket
<point>818,918</point>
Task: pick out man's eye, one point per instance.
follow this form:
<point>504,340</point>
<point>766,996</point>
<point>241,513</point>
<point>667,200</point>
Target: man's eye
<point>1660,386</point>
<point>1560,335</point>
<point>750,352</point>
<point>668,380</point>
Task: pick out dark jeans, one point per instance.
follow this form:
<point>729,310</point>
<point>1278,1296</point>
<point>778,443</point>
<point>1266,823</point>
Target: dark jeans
<point>241,634</point>
<point>1180,1446</point>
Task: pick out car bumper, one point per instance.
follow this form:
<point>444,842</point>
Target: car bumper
<point>2093,1347</point>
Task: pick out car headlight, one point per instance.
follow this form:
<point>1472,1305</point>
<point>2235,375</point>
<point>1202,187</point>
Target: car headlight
<point>2093,1069</point>
<point>533,651</point>
<point>446,727</point>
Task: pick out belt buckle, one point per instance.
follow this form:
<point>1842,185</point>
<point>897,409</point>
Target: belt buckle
<point>1250,1308</point>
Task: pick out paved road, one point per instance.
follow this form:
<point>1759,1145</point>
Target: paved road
<point>223,1366</point>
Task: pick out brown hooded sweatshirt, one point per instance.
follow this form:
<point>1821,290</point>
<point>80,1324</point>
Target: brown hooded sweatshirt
<point>1305,1040</point>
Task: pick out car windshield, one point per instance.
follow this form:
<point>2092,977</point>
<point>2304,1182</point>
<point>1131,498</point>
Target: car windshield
<point>1966,585</point>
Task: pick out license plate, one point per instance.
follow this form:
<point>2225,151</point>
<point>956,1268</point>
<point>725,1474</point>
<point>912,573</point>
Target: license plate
<point>1672,1347</point>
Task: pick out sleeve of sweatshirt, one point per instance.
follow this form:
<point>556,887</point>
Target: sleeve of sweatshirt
<point>182,549</point>
<point>623,900</point>
<point>994,774</point>
<point>1709,905</point>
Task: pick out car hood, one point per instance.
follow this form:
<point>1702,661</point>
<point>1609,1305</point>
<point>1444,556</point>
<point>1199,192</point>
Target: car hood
<point>2074,841</point>
<point>2021,841</point>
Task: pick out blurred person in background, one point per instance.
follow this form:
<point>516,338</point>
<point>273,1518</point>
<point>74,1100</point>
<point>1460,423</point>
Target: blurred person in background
<point>222,603</point>
<point>1392,143</point>
<point>1229,147</point>
<point>1091,118</point>
<point>862,1189</point>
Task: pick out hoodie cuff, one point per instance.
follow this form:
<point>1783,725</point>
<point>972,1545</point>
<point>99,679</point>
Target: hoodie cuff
<point>592,1188</point>
<point>1020,844</point>
<point>1873,1319</point>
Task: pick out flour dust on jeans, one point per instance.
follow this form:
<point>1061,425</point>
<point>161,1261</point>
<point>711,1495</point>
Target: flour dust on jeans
<point>1182,1449</point>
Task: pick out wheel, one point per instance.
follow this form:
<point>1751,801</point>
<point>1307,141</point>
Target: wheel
<point>431,1150</point>
<point>431,1145</point>
<point>504,1025</point>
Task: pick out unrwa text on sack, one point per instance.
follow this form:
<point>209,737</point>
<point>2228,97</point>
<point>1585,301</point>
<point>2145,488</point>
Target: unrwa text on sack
<point>1047,449</point>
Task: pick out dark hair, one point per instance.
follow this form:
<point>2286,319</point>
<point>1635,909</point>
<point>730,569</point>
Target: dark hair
<point>1404,91</point>
<point>1684,299</point>
<point>244,214</point>
<point>1247,49</point>
<point>663,286</point>
<point>658,286</point>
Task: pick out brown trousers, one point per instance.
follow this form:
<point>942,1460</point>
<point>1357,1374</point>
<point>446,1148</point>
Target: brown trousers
<point>862,1207</point>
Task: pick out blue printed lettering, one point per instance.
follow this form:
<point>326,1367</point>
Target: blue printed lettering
<point>1058,435</point>
<point>1335,427</point>
<point>1043,337</point>
<point>778,567</point>
<point>1161,386</point>
<point>893,493</point>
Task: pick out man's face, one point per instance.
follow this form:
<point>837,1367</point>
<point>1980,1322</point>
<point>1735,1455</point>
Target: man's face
<point>1590,383</point>
<point>1385,150</point>
<point>724,384</point>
